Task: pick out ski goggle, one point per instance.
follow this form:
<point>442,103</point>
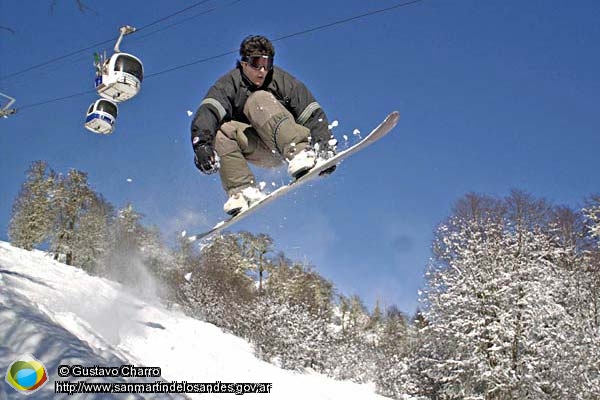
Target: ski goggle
<point>258,62</point>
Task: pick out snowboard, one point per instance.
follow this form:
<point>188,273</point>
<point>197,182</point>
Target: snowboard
<point>322,164</point>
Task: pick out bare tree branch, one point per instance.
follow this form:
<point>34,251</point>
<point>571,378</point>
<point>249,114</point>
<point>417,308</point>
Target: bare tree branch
<point>80,5</point>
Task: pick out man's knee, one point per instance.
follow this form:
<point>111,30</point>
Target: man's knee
<point>262,106</point>
<point>259,99</point>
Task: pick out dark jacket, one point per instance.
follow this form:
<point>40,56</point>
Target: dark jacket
<point>226,98</point>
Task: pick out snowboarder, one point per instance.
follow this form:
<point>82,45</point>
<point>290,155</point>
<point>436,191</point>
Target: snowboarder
<point>261,114</point>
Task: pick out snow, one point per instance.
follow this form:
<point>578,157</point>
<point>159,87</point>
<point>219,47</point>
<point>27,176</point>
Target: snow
<point>61,315</point>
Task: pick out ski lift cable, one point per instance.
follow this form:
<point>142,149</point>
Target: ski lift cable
<point>206,59</point>
<point>136,38</point>
<point>183,10</point>
<point>299,33</point>
<point>41,103</point>
<point>53,60</point>
<point>346,20</point>
<point>183,20</point>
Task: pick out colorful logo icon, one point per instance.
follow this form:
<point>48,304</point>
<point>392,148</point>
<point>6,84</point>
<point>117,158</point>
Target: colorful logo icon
<point>26,375</point>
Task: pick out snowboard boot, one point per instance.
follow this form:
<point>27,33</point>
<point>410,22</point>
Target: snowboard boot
<point>240,201</point>
<point>302,163</point>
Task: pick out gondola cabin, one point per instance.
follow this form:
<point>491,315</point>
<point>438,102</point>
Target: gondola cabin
<point>101,117</point>
<point>121,77</point>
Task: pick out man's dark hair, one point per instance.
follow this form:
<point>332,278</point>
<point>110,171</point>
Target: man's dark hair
<point>256,45</point>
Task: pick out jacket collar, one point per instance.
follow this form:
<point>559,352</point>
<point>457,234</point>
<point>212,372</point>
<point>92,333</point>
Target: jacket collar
<point>250,85</point>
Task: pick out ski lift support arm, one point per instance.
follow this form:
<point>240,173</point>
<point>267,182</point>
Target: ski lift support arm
<point>6,110</point>
<point>125,30</point>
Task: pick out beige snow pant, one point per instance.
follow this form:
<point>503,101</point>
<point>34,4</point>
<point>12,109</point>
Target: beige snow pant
<point>272,136</point>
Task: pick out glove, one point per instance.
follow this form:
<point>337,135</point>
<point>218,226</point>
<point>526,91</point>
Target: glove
<point>206,159</point>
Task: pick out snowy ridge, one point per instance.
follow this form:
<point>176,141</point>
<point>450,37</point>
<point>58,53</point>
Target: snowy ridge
<point>61,315</point>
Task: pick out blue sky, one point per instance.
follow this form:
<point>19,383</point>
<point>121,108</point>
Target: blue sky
<point>493,96</point>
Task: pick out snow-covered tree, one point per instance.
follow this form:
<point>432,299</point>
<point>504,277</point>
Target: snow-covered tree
<point>72,197</point>
<point>394,345</point>
<point>290,335</point>
<point>500,317</point>
<point>31,220</point>
<point>296,283</point>
<point>353,340</point>
<point>218,289</point>
<point>354,318</point>
<point>589,288</point>
<point>90,237</point>
<point>592,213</point>
<point>125,259</point>
<point>255,250</point>
<point>352,357</point>
<point>376,319</point>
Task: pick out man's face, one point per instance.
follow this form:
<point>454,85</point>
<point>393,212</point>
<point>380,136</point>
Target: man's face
<point>256,68</point>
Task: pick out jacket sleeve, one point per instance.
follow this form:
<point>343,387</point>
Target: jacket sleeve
<point>216,107</point>
<point>306,109</point>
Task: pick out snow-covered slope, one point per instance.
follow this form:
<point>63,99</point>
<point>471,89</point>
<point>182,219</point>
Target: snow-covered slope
<point>61,315</point>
